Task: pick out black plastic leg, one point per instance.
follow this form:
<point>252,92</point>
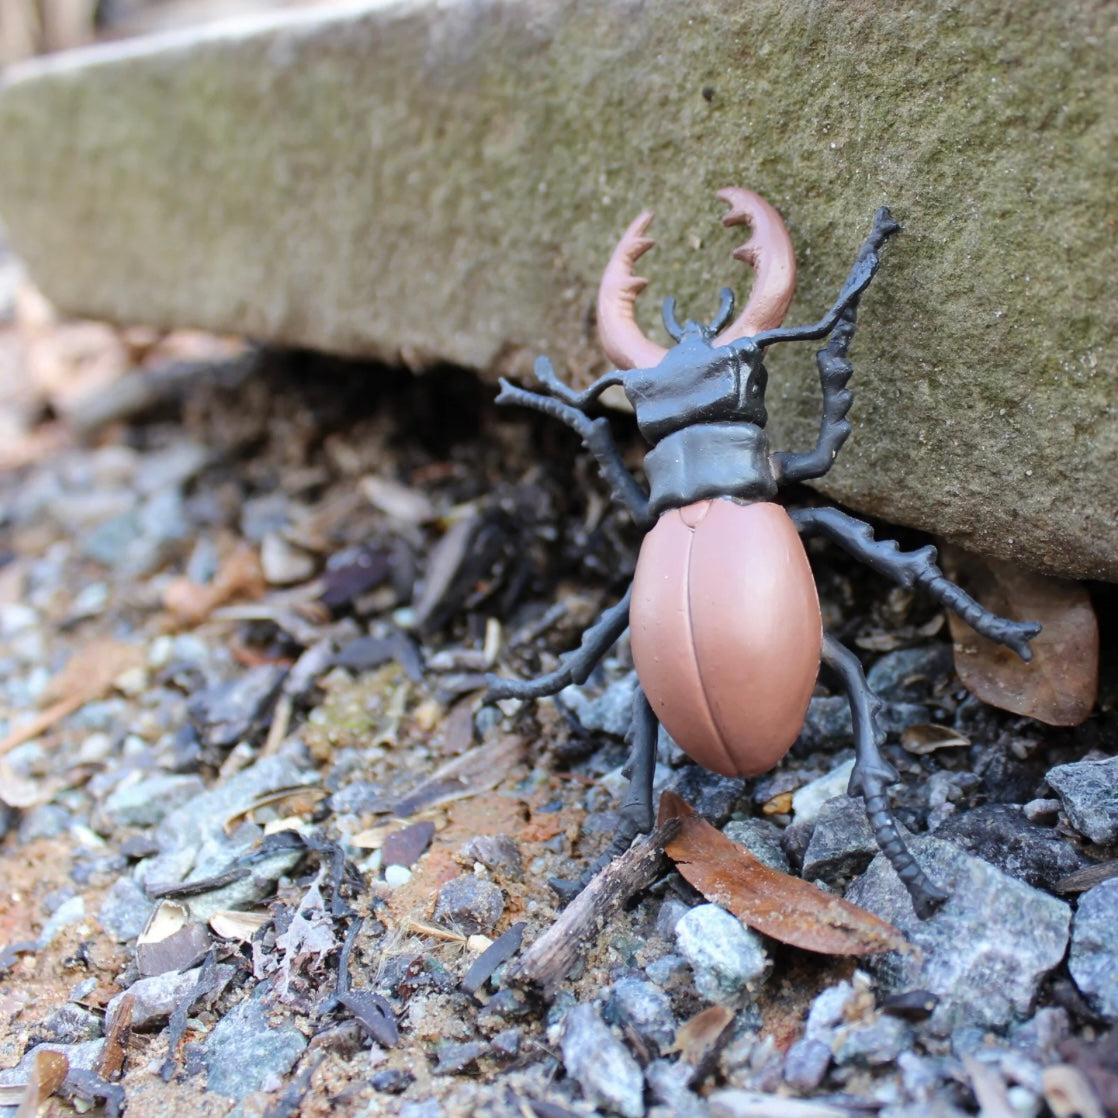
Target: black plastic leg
<point>637,815</point>
<point>872,775</point>
<point>598,439</point>
<point>576,666</point>
<point>915,568</point>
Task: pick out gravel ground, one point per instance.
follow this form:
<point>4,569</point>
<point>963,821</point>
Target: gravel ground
<point>259,833</point>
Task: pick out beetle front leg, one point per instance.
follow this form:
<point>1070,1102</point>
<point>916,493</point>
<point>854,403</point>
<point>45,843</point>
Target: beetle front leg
<point>916,568</point>
<point>834,427</point>
<point>597,438</point>
<point>865,265</point>
<point>872,775</point>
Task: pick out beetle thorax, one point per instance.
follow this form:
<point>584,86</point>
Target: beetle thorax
<point>703,410</point>
<point>697,382</point>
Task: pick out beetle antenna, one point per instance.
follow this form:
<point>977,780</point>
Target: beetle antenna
<point>725,311</point>
<point>670,323</point>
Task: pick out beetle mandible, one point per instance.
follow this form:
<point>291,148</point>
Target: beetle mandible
<point>726,632</point>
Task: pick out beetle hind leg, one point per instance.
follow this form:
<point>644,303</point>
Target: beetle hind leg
<point>637,814</point>
<point>872,775</point>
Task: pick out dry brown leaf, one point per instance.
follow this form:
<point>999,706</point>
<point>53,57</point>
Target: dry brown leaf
<point>1060,684</point>
<point>699,1035</point>
<point>189,603</point>
<point>786,908</point>
<point>927,737</point>
<point>48,1073</point>
<point>237,925</point>
<point>88,674</point>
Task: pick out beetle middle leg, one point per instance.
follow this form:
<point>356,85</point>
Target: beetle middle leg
<point>872,775</point>
<point>574,667</point>
<point>596,436</point>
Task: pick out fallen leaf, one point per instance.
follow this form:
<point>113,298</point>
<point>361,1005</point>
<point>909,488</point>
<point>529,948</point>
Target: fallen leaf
<point>697,1037</point>
<point>48,1073</point>
<point>88,675</point>
<point>927,737</point>
<point>239,926</point>
<point>1060,684</point>
<point>189,603</point>
<point>786,908</point>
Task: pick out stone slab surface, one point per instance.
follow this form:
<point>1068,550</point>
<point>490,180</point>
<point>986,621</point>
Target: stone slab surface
<point>444,181</point>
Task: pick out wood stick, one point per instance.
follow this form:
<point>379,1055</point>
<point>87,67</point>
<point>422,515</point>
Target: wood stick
<point>544,965</point>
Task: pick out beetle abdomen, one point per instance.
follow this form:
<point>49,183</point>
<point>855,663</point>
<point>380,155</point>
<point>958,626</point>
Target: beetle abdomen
<point>726,632</point>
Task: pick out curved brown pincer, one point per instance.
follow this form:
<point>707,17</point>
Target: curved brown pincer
<point>768,252</point>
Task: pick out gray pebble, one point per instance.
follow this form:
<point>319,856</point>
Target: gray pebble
<point>470,904</point>
<point>69,912</point>
<point>506,1043</point>
<point>84,1056</point>
<point>667,970</point>
<point>909,675</point>
<point>454,1055</point>
<point>601,1064</point>
<point>761,838</point>
<point>498,853</point>
<point>155,999</point>
<point>725,956</point>
<point>1003,835</point>
<point>671,911</point>
<point>842,843</point>
<point>144,803</point>
<point>712,796</point>
<point>1094,948</point>
<point>874,1043</point>
<point>202,819</point>
<point>1089,793</point>
<point>427,1108</point>
<point>44,821</point>
<point>984,953</point>
<point>668,1080</point>
<point>644,1008</point>
<point>806,1064</point>
<point>611,712</point>
<point>229,712</point>
<point>244,1051</point>
<point>69,1024</point>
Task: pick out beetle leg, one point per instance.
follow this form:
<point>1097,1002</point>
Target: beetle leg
<point>545,374</point>
<point>916,568</point>
<point>865,265</point>
<point>834,427</point>
<point>576,666</point>
<point>597,438</point>
<point>873,774</point>
<point>637,816</point>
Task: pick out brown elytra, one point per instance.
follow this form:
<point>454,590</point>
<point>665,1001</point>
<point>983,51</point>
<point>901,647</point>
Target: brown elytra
<point>726,632</point>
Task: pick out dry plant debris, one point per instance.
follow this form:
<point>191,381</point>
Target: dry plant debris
<point>1061,685</point>
<point>787,908</point>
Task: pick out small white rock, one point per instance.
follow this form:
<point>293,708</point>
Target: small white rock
<point>397,876</point>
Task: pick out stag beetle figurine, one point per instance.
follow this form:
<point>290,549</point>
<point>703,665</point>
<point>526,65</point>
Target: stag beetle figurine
<point>726,631</point>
